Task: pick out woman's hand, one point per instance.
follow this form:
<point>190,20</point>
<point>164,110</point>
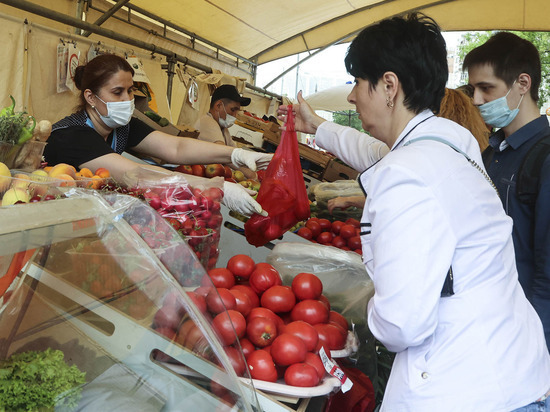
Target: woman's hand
<point>345,202</point>
<point>253,160</point>
<point>239,199</point>
<point>305,120</point>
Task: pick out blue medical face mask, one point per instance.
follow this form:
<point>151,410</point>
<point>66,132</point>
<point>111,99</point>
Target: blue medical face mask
<point>497,113</point>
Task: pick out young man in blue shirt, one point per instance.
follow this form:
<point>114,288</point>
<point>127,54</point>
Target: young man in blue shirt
<point>505,73</point>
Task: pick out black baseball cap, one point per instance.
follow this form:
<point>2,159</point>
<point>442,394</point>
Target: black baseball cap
<point>228,91</point>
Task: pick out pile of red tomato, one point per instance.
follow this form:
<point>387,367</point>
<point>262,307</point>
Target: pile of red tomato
<point>279,329</point>
<point>343,235</point>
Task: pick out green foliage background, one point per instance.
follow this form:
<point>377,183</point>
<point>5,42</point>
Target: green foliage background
<point>541,40</point>
<point>350,118</point>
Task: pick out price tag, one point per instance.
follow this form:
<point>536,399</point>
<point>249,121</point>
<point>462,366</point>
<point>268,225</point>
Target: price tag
<point>334,370</point>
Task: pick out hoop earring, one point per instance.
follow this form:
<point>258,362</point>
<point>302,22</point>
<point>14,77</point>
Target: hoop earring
<point>389,103</point>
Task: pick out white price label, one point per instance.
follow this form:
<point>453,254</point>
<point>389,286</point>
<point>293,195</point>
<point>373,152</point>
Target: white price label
<point>334,370</point>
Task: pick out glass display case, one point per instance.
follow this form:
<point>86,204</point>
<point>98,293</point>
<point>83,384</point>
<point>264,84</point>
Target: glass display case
<point>104,283</point>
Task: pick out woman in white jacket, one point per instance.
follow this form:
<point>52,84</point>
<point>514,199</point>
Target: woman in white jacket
<point>435,238</point>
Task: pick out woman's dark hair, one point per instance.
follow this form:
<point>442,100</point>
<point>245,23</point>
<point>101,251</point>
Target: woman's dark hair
<point>509,56</point>
<point>97,73</point>
<point>413,48</point>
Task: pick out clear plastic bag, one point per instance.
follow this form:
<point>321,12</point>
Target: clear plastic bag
<point>321,193</point>
<point>329,190</point>
<point>191,204</point>
<point>346,284</point>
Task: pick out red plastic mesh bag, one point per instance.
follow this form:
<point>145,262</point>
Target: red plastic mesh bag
<point>283,192</point>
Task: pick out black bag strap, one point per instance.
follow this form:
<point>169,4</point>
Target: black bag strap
<point>447,289</point>
<point>528,181</point>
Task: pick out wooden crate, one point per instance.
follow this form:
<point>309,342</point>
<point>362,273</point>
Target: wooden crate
<point>336,170</point>
<point>273,137</point>
<point>315,156</point>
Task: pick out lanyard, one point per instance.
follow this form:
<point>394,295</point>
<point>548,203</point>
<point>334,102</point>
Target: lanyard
<point>394,147</point>
<point>113,142</point>
<point>452,146</point>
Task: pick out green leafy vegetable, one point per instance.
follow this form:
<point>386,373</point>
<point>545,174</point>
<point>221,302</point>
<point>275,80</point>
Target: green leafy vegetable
<point>15,127</point>
<point>33,380</point>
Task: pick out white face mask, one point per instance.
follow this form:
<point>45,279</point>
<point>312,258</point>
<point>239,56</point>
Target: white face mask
<point>118,113</point>
<point>228,121</point>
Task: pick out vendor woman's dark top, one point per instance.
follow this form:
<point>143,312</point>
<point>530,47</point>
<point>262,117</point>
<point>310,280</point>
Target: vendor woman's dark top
<point>74,142</point>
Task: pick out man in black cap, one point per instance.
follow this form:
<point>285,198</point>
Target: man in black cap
<point>213,126</point>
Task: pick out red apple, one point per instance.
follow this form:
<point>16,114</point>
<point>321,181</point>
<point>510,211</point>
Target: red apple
<point>187,169</point>
<point>214,169</point>
<point>228,172</point>
<point>198,170</point>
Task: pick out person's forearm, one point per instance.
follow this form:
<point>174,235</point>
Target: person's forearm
<point>357,149</point>
<point>183,150</point>
<point>197,151</point>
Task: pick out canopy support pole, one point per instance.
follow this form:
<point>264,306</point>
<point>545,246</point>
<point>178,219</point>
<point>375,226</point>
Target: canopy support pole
<point>93,28</point>
<point>107,14</point>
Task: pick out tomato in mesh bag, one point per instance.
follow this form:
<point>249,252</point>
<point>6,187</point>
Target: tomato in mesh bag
<point>282,194</point>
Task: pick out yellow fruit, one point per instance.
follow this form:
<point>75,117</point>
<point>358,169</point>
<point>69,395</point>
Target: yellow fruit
<point>14,195</point>
<point>5,177</point>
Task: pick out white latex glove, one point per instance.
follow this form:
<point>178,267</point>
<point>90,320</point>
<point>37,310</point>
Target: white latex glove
<point>253,160</point>
<point>239,199</point>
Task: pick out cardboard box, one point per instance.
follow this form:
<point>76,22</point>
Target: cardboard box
<point>188,131</point>
<point>257,124</point>
<point>336,170</point>
<point>253,137</point>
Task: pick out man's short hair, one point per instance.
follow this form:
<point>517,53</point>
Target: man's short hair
<point>509,55</point>
<point>413,48</point>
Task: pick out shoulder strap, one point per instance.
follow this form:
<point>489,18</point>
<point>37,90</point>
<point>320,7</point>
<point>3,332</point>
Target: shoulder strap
<point>452,146</point>
<point>528,181</point>
<point>447,289</point>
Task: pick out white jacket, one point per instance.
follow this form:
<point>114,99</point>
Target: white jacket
<point>427,209</point>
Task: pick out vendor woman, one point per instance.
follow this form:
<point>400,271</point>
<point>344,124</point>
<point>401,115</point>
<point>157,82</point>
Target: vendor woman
<point>103,127</point>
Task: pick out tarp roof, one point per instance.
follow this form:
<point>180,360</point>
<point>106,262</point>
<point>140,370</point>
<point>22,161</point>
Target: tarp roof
<point>264,31</point>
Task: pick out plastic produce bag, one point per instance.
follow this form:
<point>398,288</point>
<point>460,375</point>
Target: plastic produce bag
<point>329,190</point>
<point>190,204</point>
<point>346,284</point>
<point>321,193</point>
<point>283,192</point>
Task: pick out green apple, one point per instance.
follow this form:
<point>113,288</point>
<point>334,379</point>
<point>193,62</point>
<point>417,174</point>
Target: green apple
<point>238,175</point>
<point>255,185</point>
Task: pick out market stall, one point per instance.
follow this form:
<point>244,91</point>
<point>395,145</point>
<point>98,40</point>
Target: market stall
<point>95,290</point>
